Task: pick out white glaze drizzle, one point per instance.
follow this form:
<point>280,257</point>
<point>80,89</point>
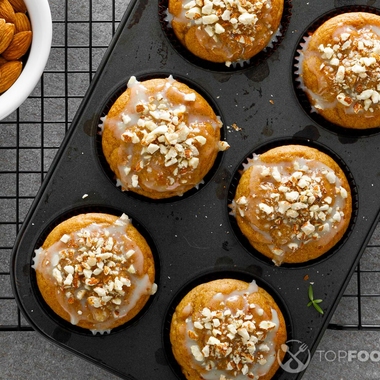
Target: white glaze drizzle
<point>161,139</point>
<point>237,20</point>
<point>97,270</point>
<point>292,194</point>
<point>351,63</point>
<point>233,346</point>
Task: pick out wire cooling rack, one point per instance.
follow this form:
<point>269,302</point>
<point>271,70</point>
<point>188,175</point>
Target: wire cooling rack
<point>30,137</point>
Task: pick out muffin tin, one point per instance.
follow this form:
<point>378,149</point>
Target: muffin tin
<point>194,238</point>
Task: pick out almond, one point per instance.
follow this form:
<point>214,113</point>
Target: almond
<point>19,45</point>
<point>18,5</point>
<point>9,72</point>
<point>6,11</point>
<point>22,22</point>
<point>7,31</point>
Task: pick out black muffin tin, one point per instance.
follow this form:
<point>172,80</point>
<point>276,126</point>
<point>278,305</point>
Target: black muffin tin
<point>194,238</point>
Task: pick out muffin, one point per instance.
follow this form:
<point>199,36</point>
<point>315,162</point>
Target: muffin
<point>95,271</point>
<point>339,70</point>
<point>161,138</point>
<point>225,31</point>
<point>293,203</point>
<point>228,329</point>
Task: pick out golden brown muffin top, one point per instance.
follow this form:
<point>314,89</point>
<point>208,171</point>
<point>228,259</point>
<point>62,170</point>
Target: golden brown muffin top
<point>231,26</point>
<point>232,329</point>
<point>95,269</point>
<point>215,15</point>
<point>292,196</point>
<point>161,137</point>
<point>347,51</point>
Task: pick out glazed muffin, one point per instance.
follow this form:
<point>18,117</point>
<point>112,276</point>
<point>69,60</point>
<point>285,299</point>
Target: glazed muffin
<point>161,138</point>
<point>225,31</point>
<point>95,271</point>
<point>228,329</point>
<point>339,70</point>
<point>293,203</point>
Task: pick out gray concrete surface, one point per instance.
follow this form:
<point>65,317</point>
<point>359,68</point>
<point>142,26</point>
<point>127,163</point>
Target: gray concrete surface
<point>25,355</point>
<point>26,151</point>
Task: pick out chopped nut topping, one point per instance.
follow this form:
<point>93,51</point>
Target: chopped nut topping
<point>352,63</point>
<point>216,15</point>
<point>230,340</point>
<point>65,238</point>
<point>98,265</point>
<point>166,130</point>
<point>293,206</point>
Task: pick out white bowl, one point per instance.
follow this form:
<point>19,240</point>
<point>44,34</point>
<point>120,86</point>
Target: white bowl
<point>40,18</point>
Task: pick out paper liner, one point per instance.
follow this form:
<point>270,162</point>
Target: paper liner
<point>71,212</point>
<point>253,62</point>
<point>292,141</point>
<point>297,80</point>
<point>104,164</point>
<point>247,275</point>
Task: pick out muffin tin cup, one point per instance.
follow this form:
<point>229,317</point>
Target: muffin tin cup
<point>119,90</point>
<point>194,235</point>
<point>270,144</point>
<point>217,274</point>
<point>39,242</point>
<point>301,95</point>
<point>275,41</point>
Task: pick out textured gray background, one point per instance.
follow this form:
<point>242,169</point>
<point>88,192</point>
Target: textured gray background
<point>29,139</point>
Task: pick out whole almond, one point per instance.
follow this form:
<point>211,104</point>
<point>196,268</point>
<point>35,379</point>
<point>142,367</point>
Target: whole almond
<point>22,22</point>
<point>6,11</point>
<point>7,32</point>
<point>18,5</point>
<point>19,46</point>
<point>2,23</point>
<point>9,72</point>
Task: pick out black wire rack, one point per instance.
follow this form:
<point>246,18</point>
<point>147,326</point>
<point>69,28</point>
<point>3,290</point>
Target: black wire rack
<point>30,137</point>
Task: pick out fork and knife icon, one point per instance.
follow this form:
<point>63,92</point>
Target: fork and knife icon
<point>289,366</point>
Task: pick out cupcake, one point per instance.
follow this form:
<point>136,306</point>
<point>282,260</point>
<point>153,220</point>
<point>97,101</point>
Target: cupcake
<point>225,31</point>
<point>339,70</point>
<point>95,271</point>
<point>293,203</point>
<point>161,138</point>
<point>228,329</point>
